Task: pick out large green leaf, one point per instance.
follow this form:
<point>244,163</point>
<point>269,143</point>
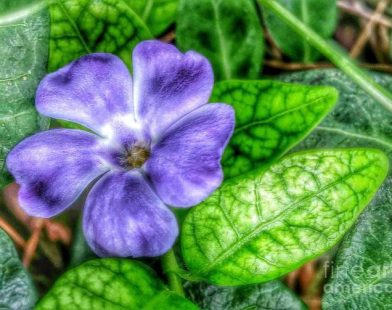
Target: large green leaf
<point>227,32</point>
<point>361,275</point>
<point>319,15</point>
<point>270,295</point>
<point>157,14</point>
<point>81,27</point>
<point>112,284</point>
<point>23,59</point>
<point>271,117</point>
<point>16,289</point>
<point>263,225</point>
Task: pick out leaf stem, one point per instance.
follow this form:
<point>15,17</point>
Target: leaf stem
<point>170,266</point>
<point>333,53</point>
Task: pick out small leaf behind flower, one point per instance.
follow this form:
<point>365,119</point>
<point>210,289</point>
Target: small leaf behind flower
<point>227,32</point>
<point>260,226</point>
<point>157,14</point>
<point>80,27</point>
<point>271,117</point>
<point>16,289</point>
<point>112,284</point>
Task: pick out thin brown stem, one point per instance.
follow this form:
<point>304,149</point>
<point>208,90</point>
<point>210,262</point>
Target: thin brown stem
<point>366,31</point>
<point>359,10</point>
<point>14,235</point>
<point>32,243</point>
<point>291,66</point>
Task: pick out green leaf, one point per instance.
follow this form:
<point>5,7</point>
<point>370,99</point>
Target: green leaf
<point>81,27</point>
<point>263,225</point>
<point>16,289</point>
<point>361,273</point>
<point>270,295</point>
<point>157,14</point>
<point>271,117</point>
<point>227,32</point>
<point>112,284</point>
<point>23,59</point>
<point>319,15</point>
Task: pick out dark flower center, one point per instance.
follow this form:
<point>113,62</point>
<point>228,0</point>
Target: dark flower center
<point>136,156</point>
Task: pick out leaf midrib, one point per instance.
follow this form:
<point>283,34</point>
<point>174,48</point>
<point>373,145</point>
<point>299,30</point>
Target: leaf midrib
<point>280,114</point>
<point>355,135</point>
<point>74,26</point>
<point>233,248</point>
<point>222,45</point>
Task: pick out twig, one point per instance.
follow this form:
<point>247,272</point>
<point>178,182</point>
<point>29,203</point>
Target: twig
<point>292,66</point>
<point>32,243</point>
<point>365,33</point>
<point>15,236</point>
<point>168,37</point>
<point>360,11</point>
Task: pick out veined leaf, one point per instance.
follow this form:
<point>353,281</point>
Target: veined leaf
<point>361,273</point>
<point>23,58</point>
<point>263,225</point>
<point>16,289</point>
<point>81,27</point>
<point>157,14</point>
<point>270,295</point>
<point>112,284</point>
<point>271,117</point>
<point>319,15</point>
<point>227,32</point>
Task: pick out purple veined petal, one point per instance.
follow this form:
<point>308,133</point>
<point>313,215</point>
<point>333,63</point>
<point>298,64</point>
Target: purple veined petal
<point>168,84</point>
<point>94,91</point>
<point>124,217</point>
<point>184,166</point>
<point>53,168</point>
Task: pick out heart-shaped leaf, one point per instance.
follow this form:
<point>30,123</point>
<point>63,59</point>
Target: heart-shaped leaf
<point>271,117</point>
<point>81,27</point>
<point>24,40</point>
<point>260,226</point>
<point>112,284</point>
<point>270,295</point>
<point>360,275</point>
<point>227,32</point>
<point>157,14</point>
<point>16,289</point>
<point>319,15</point>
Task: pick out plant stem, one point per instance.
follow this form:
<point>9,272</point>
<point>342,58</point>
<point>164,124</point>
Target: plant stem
<point>333,53</point>
<point>170,265</point>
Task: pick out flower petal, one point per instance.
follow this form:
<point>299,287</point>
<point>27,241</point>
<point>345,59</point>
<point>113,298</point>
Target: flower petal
<point>184,166</point>
<point>168,84</point>
<point>53,168</point>
<point>91,91</point>
<point>123,217</point>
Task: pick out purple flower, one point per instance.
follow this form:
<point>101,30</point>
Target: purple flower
<point>156,142</point>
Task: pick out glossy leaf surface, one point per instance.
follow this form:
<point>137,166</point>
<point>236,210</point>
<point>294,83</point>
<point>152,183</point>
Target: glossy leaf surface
<point>112,284</point>
<point>260,226</point>
<point>361,273</point>
<point>80,27</point>
<point>23,58</point>
<point>271,117</point>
